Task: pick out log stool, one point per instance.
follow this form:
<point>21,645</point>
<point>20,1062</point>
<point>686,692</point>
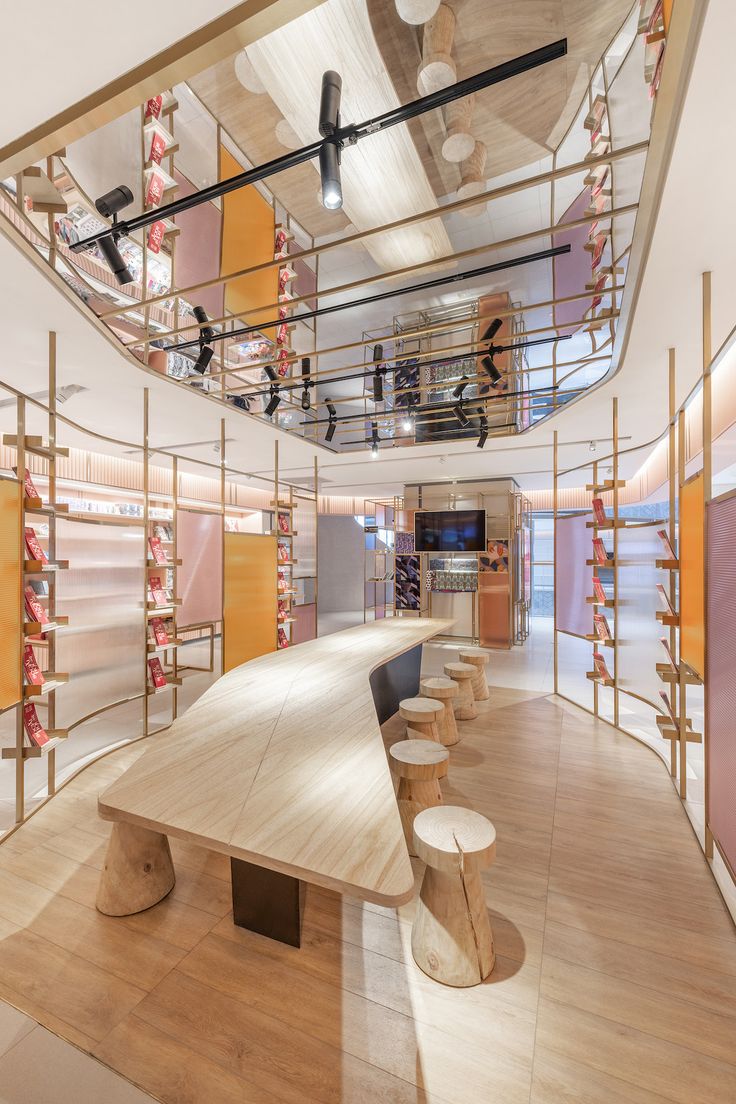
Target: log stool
<point>463,674</point>
<point>478,658</point>
<point>418,764</point>
<point>421,716</point>
<point>443,690</point>
<point>451,937</point>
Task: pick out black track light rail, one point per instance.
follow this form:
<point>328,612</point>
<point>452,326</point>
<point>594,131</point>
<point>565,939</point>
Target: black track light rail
<point>390,365</point>
<point>320,312</point>
<point>345,135</point>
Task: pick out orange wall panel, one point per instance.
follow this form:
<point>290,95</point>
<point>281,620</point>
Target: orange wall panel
<point>248,230</point>
<point>692,586</point>
<point>250,577</point>
<point>11,627</point>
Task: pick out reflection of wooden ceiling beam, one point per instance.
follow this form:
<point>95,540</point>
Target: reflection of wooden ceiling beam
<point>353,239</point>
<point>243,25</point>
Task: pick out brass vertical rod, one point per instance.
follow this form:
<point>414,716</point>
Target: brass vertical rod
<point>707,495</point>
<point>595,572</point>
<point>175,579</point>
<point>681,467</point>
<point>222,543</point>
<point>616,621</point>
<point>672,527</point>
<point>316,549</point>
<point>555,471</point>
<point>51,653</point>
<point>20,763</point>
<point>146,512</point>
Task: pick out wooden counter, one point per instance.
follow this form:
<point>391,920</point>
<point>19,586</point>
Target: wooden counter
<point>281,764</point>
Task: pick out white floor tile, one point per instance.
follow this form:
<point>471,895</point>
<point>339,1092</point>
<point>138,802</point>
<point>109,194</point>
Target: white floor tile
<point>13,1027</point>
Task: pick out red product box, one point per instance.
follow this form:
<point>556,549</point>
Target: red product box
<point>153,107</point>
<point>668,549</point>
<point>665,598</point>
<point>158,594</point>
<point>32,671</point>
<point>156,671</point>
<point>34,609</point>
<point>35,551</point>
<point>155,190</point>
<point>599,511</point>
<point>158,148</point>
<point>158,552</point>
<point>598,590</point>
<point>601,626</point>
<point>284,523</point>
<point>283,638</point>
<point>29,487</point>
<point>160,634</point>
<point>156,233</point>
<point>599,550</point>
<point>34,730</point>
<point>600,666</point>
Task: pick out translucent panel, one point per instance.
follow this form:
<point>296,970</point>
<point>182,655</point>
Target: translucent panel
<point>621,45</point>
<point>573,661</point>
<point>637,630</point>
<point>629,105</point>
<point>305,542</point>
<point>199,579</point>
<point>574,614</point>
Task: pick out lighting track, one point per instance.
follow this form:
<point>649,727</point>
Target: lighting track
<point>320,312</point>
<point>343,135</point>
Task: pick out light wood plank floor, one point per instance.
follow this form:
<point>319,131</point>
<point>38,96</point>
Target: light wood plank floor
<point>615,979</point>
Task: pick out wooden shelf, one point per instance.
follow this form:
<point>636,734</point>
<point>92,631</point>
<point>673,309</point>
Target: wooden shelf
<point>152,648</point>
<point>53,682</point>
<point>666,618</point>
<point>667,565</point>
<point>36,567</point>
<point>287,563</point>
<point>34,752</point>
<point>151,564</point>
<point>35,446</point>
<point>608,642</point>
<point>280,533</point>
<point>153,610</point>
<point>33,628</point>
<point>37,506</point>
<point>595,677</point>
<point>597,563</point>
<point>609,602</point>
<point>668,731</point>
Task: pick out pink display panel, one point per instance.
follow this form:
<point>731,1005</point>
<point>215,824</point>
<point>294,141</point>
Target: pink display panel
<point>720,674</point>
<point>198,250</point>
<point>572,577</point>
<point>199,547</point>
<point>305,625</point>
<point>572,270</point>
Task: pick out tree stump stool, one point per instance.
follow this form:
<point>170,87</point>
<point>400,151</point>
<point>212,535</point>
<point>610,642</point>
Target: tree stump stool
<point>451,937</point>
<point>443,690</point>
<point>462,674</point>
<point>421,716</point>
<point>419,765</point>
<point>138,870</point>
<point>478,658</point>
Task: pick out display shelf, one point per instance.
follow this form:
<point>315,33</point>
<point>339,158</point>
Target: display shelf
<point>597,563</point>
<point>593,601</point>
<point>33,628</point>
<point>34,752</point>
<point>668,731</point>
<point>155,649</point>
<point>607,641</point>
<point>281,533</point>
<point>667,565</point>
<point>151,565</point>
<point>171,683</point>
<point>52,683</point>
<point>37,506</point>
<point>595,677</point>
<point>38,567</point>
<point>35,446</point>
<point>671,619</point>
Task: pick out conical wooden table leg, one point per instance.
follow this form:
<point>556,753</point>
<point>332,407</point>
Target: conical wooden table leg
<point>138,871</point>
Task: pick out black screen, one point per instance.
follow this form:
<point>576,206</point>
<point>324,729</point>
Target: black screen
<point>450,531</point>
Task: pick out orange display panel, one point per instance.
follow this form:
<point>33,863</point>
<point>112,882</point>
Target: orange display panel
<point>248,229</point>
<point>692,587</point>
<point>11,625</point>
<point>249,622</point>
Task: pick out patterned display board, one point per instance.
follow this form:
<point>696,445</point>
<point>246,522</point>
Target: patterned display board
<point>408,583</point>
<point>721,675</point>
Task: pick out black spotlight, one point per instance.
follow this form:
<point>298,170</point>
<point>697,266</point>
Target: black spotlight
<point>378,374</point>
<point>271,373</point>
<point>306,367</point>
<point>333,420</point>
<point>461,416</point>
<point>329,151</point>
<point>273,402</point>
<point>492,330</point>
<point>458,392</point>
<point>483,432</point>
<point>206,335</point>
<point>490,367</point>
<point>108,205</point>
<point>374,440</point>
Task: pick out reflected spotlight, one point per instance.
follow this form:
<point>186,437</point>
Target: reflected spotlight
<point>461,416</point>
<point>333,420</point>
<point>458,392</point>
<point>307,383</point>
<point>206,335</point>
<point>329,151</point>
<point>374,440</point>
<point>273,402</point>
<point>378,374</point>
<point>483,432</point>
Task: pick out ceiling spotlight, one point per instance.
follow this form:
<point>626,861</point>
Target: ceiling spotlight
<point>202,362</point>
<point>329,151</point>
<point>307,383</point>
<point>333,420</point>
<point>407,424</point>
<point>108,206</point>
<point>305,399</point>
<point>592,446</point>
<point>483,432</point>
<point>374,440</point>
<point>206,335</point>
<point>458,392</point>
<point>271,373</point>
<point>461,416</point>
<point>378,374</point>
<point>492,330</point>
<point>273,402</point>
<point>490,367</point>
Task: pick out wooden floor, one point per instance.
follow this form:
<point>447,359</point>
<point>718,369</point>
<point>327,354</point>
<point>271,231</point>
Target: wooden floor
<point>615,977</point>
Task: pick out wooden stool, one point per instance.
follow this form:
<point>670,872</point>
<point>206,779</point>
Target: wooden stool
<point>418,764</point>
<point>443,690</point>
<point>451,937</point>
<point>478,658</point>
<point>463,674</point>
<point>421,716</point>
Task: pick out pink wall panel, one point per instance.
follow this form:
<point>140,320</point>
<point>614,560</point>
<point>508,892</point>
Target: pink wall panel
<point>720,674</point>
<point>573,578</point>
<point>305,626</point>
<point>199,541</point>
<point>572,270</point>
<point>198,250</point>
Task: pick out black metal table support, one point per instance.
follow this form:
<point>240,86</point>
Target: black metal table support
<point>267,902</point>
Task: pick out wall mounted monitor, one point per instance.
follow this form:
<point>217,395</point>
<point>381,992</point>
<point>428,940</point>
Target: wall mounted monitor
<point>450,531</point>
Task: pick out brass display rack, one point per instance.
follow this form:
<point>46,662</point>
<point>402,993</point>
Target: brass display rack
<point>48,451</point>
<point>285,539</point>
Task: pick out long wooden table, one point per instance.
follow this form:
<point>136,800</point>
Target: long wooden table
<point>280,765</point>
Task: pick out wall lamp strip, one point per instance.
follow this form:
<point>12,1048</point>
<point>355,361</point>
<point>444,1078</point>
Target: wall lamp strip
<point>441,281</point>
<point>340,136</point>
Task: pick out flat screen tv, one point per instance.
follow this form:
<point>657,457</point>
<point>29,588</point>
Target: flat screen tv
<point>450,531</point>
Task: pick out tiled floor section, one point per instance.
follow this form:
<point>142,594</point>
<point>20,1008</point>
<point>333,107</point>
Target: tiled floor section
<point>615,980</point>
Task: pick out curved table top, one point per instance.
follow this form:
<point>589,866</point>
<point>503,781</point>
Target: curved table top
<point>281,763</point>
